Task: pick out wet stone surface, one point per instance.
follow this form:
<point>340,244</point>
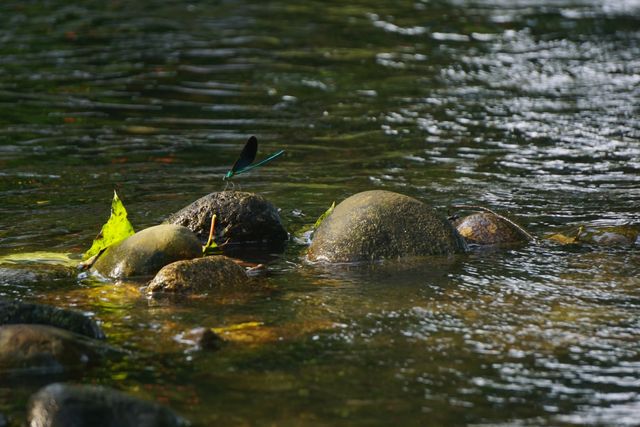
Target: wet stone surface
<point>377,224</point>
<point>199,275</point>
<point>64,405</point>
<point>240,218</point>
<point>13,312</point>
<point>40,349</point>
<point>485,228</point>
<point>148,251</point>
<point>35,274</point>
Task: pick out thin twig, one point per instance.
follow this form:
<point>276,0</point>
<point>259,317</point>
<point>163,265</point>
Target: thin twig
<point>482,208</point>
<point>211,230</point>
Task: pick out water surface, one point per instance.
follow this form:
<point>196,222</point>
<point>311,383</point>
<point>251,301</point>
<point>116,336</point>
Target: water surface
<point>527,107</point>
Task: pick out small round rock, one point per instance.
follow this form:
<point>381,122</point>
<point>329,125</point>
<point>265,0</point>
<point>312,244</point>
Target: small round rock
<point>147,251</point>
<point>198,276</point>
<point>485,228</point>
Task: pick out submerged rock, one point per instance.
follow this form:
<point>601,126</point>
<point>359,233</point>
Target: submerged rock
<point>198,275</point>
<point>618,235</point>
<point>485,228</point>
<point>28,274</point>
<point>240,218</point>
<point>13,312</point>
<point>45,349</point>
<point>64,405</point>
<point>148,251</point>
<point>202,338</point>
<point>621,235</point>
<point>379,224</point>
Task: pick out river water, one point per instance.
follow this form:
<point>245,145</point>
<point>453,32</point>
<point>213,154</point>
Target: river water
<point>527,107</point>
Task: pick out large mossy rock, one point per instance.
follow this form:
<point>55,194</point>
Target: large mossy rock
<point>485,228</point>
<point>147,251</point>
<point>45,349</point>
<point>198,276</point>
<point>14,312</point>
<point>378,224</point>
<point>66,405</point>
<point>240,218</point>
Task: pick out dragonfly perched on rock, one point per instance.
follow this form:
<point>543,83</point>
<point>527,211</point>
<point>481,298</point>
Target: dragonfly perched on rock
<point>247,156</point>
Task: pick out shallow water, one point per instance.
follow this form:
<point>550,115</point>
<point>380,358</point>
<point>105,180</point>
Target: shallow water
<point>527,107</point>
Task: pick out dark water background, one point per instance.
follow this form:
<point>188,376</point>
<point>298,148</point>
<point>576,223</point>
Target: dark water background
<point>528,107</point>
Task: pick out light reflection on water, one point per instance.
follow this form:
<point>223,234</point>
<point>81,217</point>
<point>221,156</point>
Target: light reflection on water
<point>529,108</point>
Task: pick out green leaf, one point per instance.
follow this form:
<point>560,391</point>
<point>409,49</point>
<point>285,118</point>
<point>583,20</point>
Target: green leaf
<point>324,216</point>
<point>40,257</point>
<point>211,249</point>
<point>117,228</point>
<point>566,240</point>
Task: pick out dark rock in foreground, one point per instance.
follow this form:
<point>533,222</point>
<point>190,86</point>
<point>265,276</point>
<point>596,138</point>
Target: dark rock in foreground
<point>65,405</point>
<point>240,218</point>
<point>147,251</point>
<point>46,350</point>
<point>378,224</point>
<point>198,275</point>
<point>13,312</point>
<point>485,228</point>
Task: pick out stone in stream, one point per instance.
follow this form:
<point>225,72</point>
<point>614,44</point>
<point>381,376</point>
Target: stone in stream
<point>202,338</point>
<point>29,274</point>
<point>616,235</point>
<point>198,276</point>
<point>45,349</point>
<point>68,405</point>
<point>378,224</point>
<point>485,228</point>
<point>14,312</point>
<point>240,218</point>
<point>147,251</point>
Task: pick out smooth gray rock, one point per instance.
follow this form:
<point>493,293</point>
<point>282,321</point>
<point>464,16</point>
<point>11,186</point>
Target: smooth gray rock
<point>46,350</point>
<point>147,251</point>
<point>67,405</point>
<point>376,225</point>
<point>198,275</point>
<point>12,312</point>
<point>240,218</point>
